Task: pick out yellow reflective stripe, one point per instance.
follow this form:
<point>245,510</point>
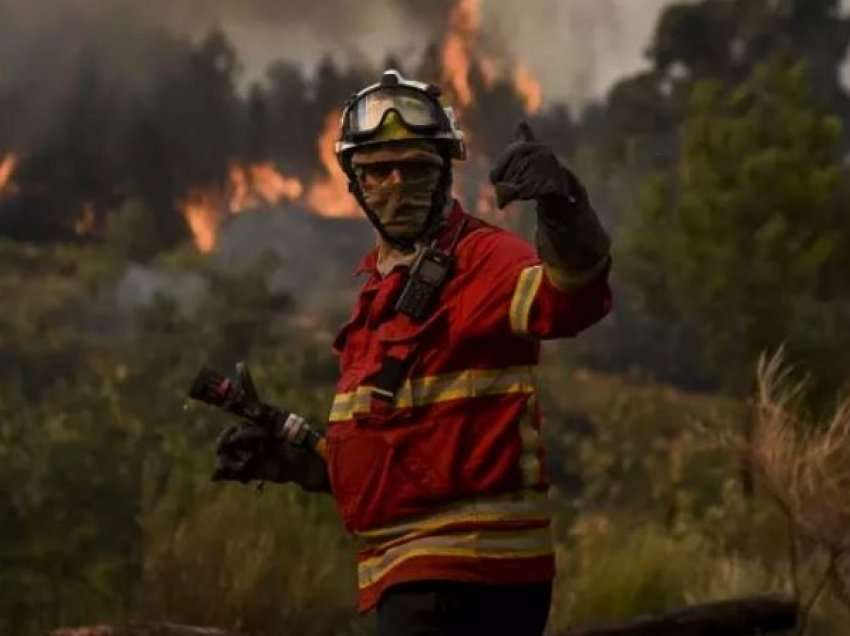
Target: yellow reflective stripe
<point>518,506</point>
<point>436,527</point>
<point>529,461</point>
<point>439,388</point>
<point>479,544</point>
<point>346,404</point>
<point>566,280</point>
<point>523,298</point>
<point>467,384</point>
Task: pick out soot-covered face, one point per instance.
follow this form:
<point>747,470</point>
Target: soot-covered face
<point>399,182</point>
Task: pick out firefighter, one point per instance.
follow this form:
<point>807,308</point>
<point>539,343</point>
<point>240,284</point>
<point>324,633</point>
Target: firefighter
<point>433,440</point>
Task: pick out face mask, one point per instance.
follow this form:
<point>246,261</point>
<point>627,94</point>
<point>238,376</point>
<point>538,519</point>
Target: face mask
<point>403,208</point>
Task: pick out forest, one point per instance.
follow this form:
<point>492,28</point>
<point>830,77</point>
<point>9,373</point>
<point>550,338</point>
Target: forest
<point>160,216</point>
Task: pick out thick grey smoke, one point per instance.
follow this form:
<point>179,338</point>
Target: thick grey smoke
<point>322,277</point>
<point>128,42</point>
<point>576,47</point>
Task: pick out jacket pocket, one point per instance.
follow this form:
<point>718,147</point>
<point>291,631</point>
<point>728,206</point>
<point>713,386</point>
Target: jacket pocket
<point>378,475</point>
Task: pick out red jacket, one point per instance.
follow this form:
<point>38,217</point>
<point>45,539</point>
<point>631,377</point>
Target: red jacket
<point>447,481</point>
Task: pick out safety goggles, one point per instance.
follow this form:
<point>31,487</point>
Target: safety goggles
<point>418,111</point>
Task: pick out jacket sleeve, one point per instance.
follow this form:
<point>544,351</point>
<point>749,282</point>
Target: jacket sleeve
<point>514,290</point>
<point>571,241</point>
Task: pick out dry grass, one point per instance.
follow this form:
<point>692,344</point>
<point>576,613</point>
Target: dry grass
<point>803,465</point>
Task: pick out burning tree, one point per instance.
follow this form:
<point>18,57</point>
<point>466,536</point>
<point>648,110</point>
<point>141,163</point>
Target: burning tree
<point>195,150</point>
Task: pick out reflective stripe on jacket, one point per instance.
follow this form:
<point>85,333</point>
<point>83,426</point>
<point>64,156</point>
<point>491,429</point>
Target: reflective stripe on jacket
<point>447,480</point>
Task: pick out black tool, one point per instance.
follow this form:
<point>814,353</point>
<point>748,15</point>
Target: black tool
<point>239,397</point>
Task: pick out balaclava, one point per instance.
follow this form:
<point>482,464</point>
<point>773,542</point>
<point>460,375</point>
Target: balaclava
<point>404,208</point>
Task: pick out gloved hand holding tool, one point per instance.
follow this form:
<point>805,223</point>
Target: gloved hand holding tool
<point>273,445</point>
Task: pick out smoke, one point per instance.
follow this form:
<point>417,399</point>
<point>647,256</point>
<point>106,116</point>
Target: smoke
<point>577,47</point>
<point>140,286</point>
<point>351,33</point>
<point>315,255</point>
<point>311,254</point>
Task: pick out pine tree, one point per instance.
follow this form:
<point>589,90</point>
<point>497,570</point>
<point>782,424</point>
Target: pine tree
<point>746,239</point>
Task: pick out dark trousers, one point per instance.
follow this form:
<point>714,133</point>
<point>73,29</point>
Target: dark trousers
<point>450,608</point>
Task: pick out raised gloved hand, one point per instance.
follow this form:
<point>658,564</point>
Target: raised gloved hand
<point>528,169</point>
<point>249,453</point>
<point>570,240</point>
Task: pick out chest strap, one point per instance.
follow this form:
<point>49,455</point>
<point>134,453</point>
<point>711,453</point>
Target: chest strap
<point>394,368</point>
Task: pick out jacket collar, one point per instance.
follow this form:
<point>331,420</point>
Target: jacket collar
<point>369,263</point>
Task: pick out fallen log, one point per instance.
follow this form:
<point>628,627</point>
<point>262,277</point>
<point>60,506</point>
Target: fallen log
<point>737,617</point>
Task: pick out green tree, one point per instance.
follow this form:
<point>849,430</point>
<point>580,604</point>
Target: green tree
<point>745,241</point>
<point>715,39</point>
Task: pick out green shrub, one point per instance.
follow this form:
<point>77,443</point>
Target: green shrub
<point>261,564</point>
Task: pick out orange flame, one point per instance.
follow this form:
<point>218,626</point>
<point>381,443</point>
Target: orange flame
<point>460,53</point>
<point>456,54</point>
<point>329,195</point>
<point>247,187</point>
<point>85,223</point>
<point>272,186</point>
<point>528,88</point>
<point>203,214</point>
<point>241,196</point>
<point>7,167</point>
<point>259,184</point>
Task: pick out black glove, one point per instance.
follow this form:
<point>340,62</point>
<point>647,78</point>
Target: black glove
<point>248,452</point>
<point>569,238</point>
<point>530,170</point>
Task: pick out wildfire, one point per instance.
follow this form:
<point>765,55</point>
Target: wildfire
<point>529,88</point>
<point>462,56</point>
<point>7,167</point>
<point>203,214</point>
<point>85,223</point>
<point>460,53</point>
<point>329,195</point>
<point>260,183</point>
<point>247,187</point>
<point>456,54</point>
